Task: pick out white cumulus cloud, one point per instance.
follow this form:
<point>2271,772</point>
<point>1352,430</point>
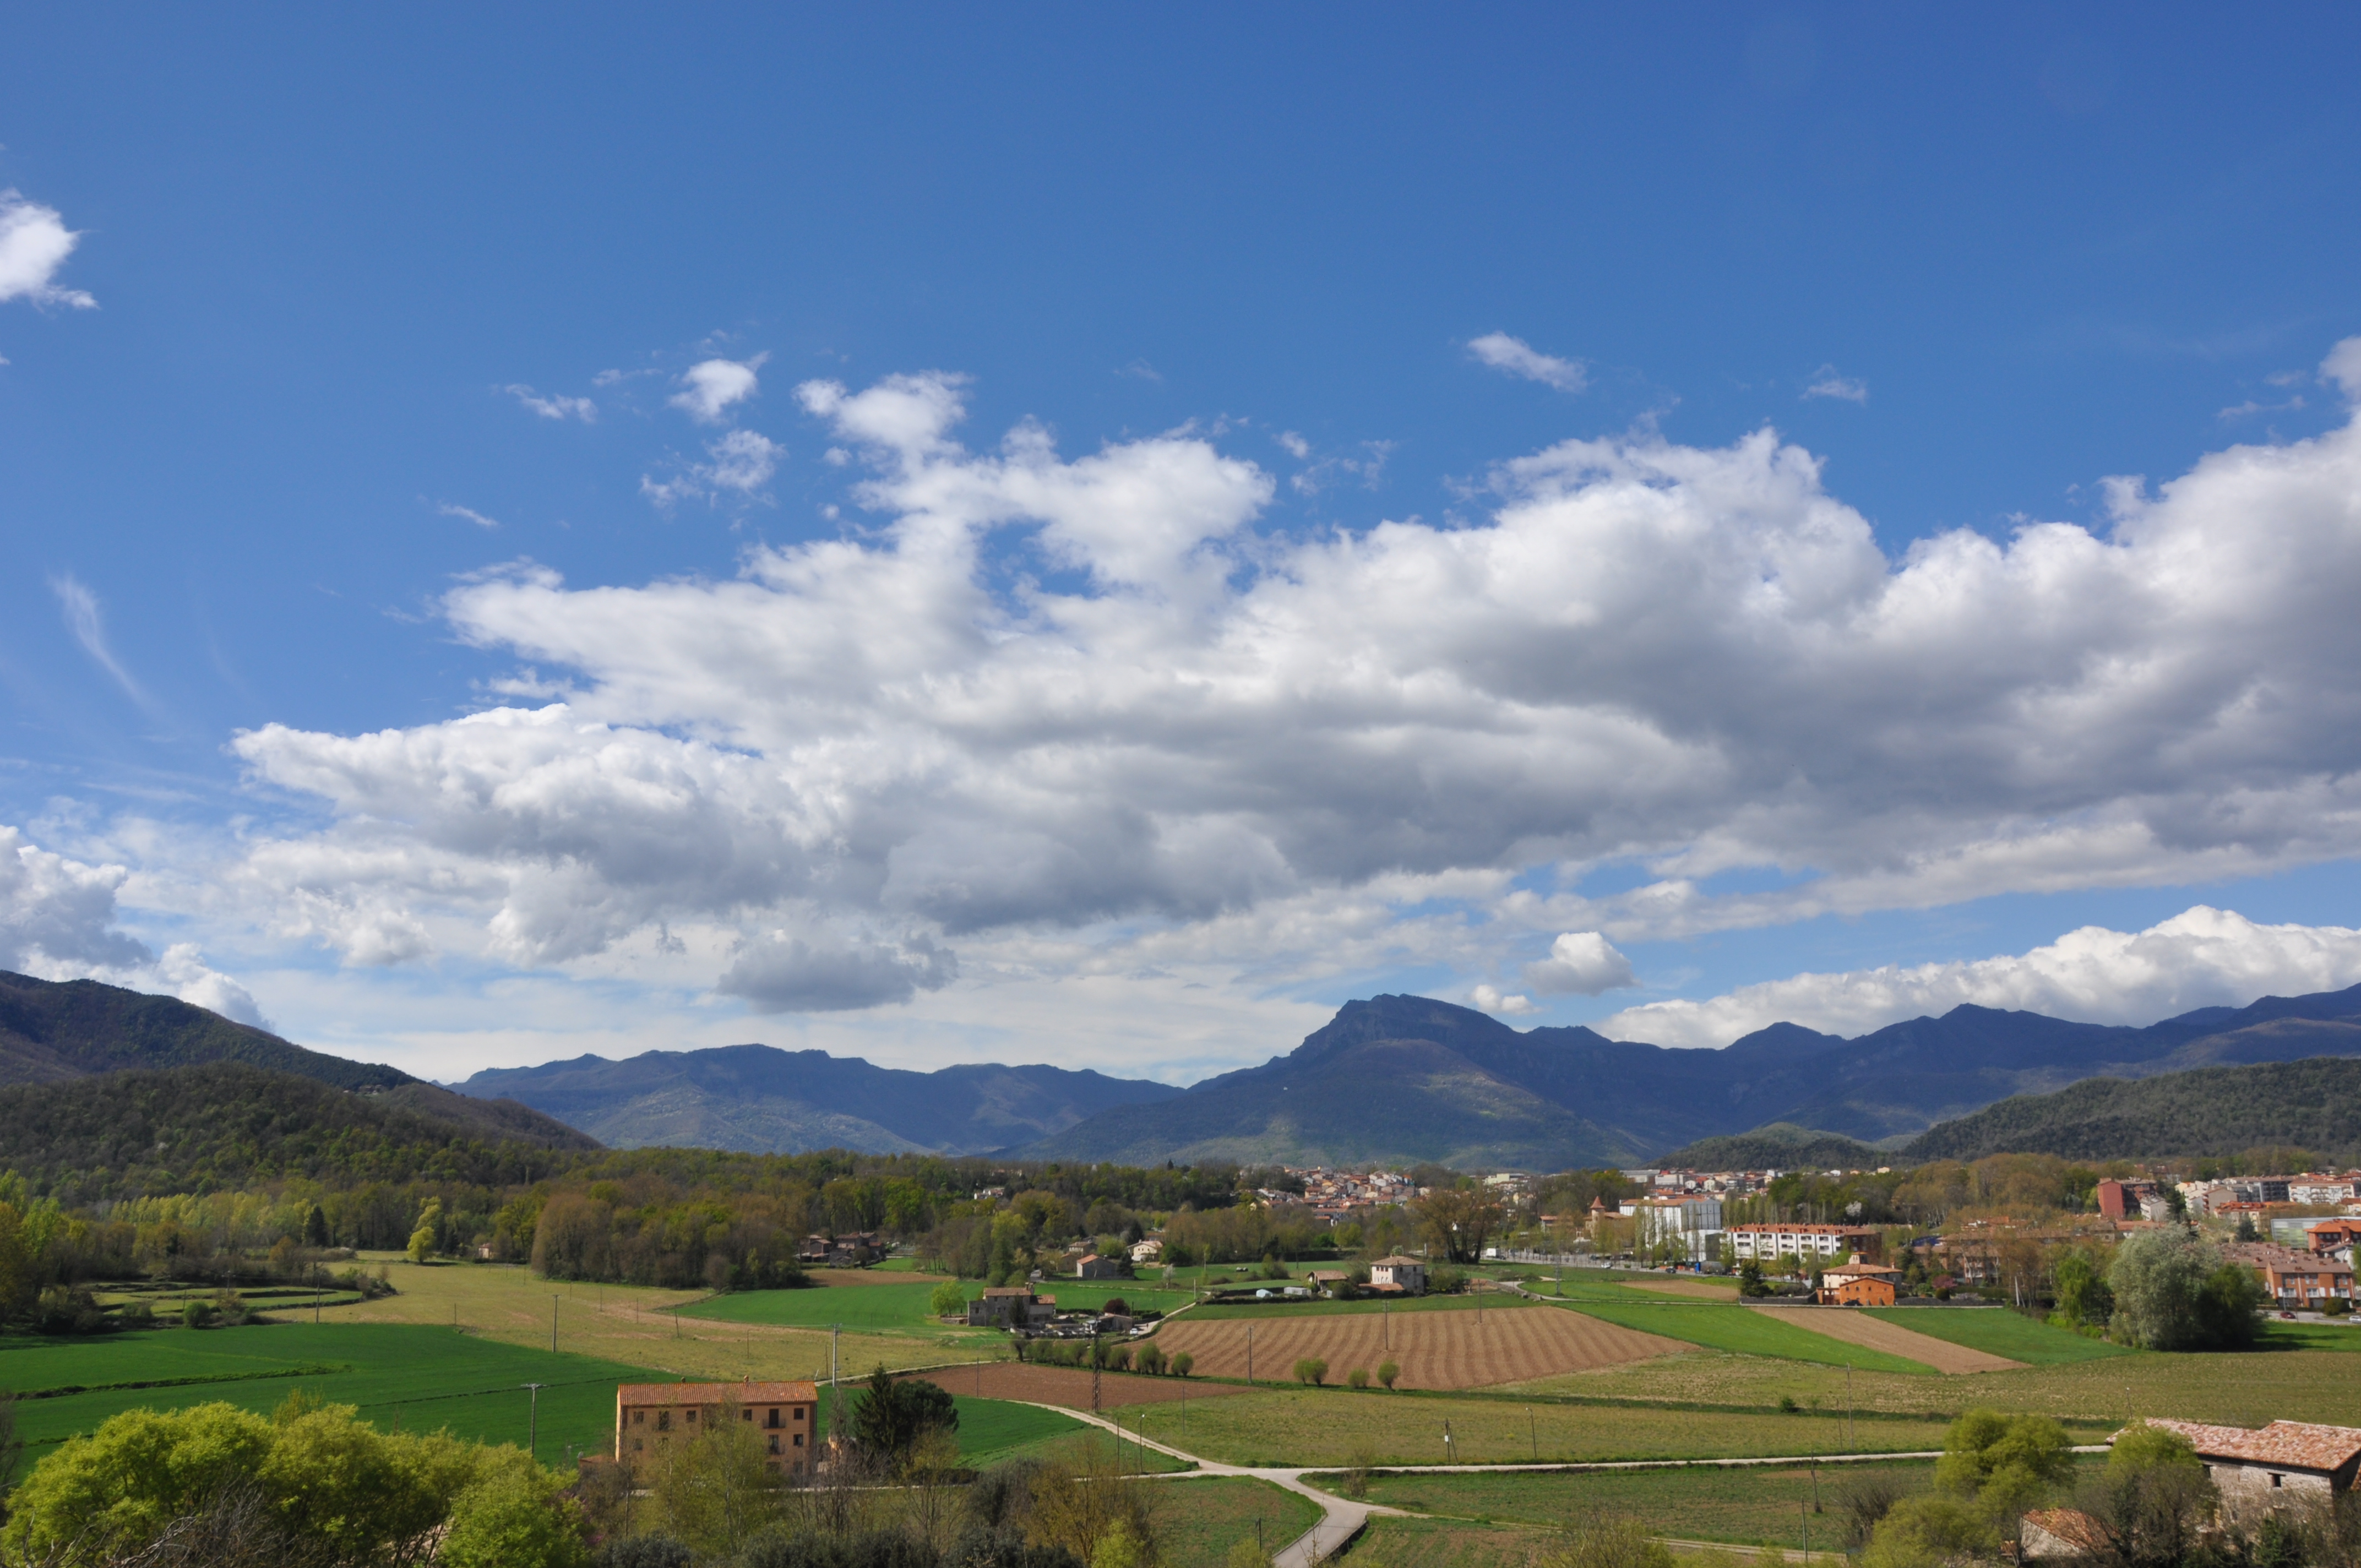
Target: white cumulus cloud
<point>782,973</point>
<point>1518,357</point>
<point>35,243</point>
<point>1581,964</point>
<point>2200,957</point>
<point>57,922</point>
<point>709,388</point>
<point>1227,743</point>
<point>1490,999</point>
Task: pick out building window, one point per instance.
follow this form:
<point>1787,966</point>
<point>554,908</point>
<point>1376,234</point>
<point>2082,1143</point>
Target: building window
<point>799,1440</point>
<point>2277,1478</point>
<point>774,1445</point>
<point>639,1444</point>
<point>692,1415</point>
<point>745,1415</point>
<point>664,1421</point>
<point>772,1422</point>
<point>639,1417</point>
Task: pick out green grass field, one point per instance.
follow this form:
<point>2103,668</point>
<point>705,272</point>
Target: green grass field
<point>1447,1543</point>
<point>419,1378</point>
<point>2279,1336</point>
<point>1335,1427</point>
<point>2000,1331</point>
<point>1719,1327</point>
<point>1199,1519</point>
<point>1756,1507</point>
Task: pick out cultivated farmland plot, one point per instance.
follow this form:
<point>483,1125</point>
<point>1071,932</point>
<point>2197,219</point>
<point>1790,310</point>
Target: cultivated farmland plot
<point>1855,1327</point>
<point>1434,1349</point>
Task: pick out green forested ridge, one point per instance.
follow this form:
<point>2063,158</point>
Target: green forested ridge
<point>183,1129</point>
<point>2315,1104</point>
<point>1777,1146</point>
<point>55,1030</point>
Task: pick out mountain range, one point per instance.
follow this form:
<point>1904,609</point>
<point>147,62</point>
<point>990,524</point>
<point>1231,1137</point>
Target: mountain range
<point>1410,1078</point>
<point>1390,1078</point>
<point>762,1098</point>
<point>56,1033</point>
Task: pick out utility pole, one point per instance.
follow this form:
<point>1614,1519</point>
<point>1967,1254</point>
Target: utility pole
<point>1449,1454</point>
<point>553,1325</point>
<point>1807,1528</point>
<point>835,1393</point>
<point>1533,1430</point>
<point>1250,1354</point>
<point>533,1422</point>
<point>1851,1441</point>
<point>1097,1359</point>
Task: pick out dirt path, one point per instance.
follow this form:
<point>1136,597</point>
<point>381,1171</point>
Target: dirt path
<point>1434,1350</point>
<point>1859,1328</point>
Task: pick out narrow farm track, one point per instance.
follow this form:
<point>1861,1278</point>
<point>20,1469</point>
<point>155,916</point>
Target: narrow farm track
<point>1434,1350</point>
<point>1859,1328</point>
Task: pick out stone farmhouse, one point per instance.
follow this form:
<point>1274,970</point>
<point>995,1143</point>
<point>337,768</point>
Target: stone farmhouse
<point>2256,1470</point>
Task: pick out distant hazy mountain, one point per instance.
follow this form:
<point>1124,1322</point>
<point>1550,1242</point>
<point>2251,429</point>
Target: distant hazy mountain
<point>766,1100</point>
<point>2314,1104</point>
<point>1408,1078</point>
<point>57,1032</point>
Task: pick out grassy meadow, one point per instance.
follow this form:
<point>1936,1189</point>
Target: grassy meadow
<point>1200,1519</point>
<point>1734,1328</point>
<point>413,1377</point>
<point>1334,1427</point>
<point>2000,1331</point>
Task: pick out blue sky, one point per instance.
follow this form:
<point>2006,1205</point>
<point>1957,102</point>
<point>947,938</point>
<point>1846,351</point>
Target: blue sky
<point>393,327</point>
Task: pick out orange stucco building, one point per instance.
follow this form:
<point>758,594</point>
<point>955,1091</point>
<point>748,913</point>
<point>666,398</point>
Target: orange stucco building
<point>650,1416</point>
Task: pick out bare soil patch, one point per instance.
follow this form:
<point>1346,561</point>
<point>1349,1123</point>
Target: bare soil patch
<point>1434,1350</point>
<point>1068,1386</point>
<point>1859,1328</point>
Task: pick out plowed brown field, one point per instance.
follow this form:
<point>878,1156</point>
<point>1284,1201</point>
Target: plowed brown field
<point>1859,1328</point>
<point>1434,1350</point>
<point>1068,1385</point>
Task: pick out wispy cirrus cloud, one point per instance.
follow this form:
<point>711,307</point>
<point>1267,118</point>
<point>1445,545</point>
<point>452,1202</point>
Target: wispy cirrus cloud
<point>1826,383</point>
<point>1518,357</point>
<point>556,405</point>
<point>33,244</point>
<point>452,508</point>
<point>88,623</point>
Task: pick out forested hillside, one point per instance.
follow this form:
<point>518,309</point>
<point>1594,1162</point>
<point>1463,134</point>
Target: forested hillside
<point>195,1129</point>
<point>2314,1104</point>
<point>1782,1146</point>
<point>55,1030</point>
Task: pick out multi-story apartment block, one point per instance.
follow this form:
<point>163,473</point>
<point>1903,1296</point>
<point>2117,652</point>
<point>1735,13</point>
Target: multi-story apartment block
<point>1768,1244</point>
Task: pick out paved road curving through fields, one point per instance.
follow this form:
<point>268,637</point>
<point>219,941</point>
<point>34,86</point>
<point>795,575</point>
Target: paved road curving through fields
<point>1341,1519</point>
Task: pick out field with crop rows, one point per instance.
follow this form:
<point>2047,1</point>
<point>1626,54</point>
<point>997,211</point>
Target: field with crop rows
<point>1434,1350</point>
<point>1447,1543</point>
<point>896,1304</point>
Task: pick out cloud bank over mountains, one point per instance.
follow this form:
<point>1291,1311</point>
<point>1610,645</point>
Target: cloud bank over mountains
<point>2200,957</point>
<point>1045,716</point>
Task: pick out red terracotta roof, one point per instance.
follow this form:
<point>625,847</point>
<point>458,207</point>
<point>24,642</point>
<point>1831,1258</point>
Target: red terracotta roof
<point>2072,1526</point>
<point>715,1393</point>
<point>2298,1445</point>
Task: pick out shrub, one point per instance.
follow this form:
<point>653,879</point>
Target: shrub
<point>1312,1370</point>
<point>510,1517</point>
<point>2335,1307</point>
<point>643,1551</point>
<point>1387,1372</point>
<point>1119,1358</point>
<point>196,1314</point>
<point>1116,1306</point>
<point>1182,1361</point>
<point>1608,1541</point>
<point>1356,1378</point>
<point>1150,1358</point>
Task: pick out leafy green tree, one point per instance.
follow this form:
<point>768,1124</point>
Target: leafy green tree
<point>1388,1371</point>
<point>1150,1358</point>
<point>2153,1501</point>
<point>1750,1279</point>
<point>1609,1541</point>
<point>2175,1291</point>
<point>1923,1531</point>
<point>715,1492</point>
<point>2081,1290</point>
<point>1182,1361</point>
<point>132,1477</point>
<point>949,1299</point>
<point>1312,1370</point>
<point>510,1515</point>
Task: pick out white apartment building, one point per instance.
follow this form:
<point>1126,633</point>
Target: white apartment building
<point>1690,1221</point>
<point>1768,1244</point>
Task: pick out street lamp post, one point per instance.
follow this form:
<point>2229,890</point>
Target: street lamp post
<point>532,1421</point>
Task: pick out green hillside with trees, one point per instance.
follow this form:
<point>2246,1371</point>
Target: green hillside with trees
<point>2218,1111</point>
<point>1780,1146</point>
